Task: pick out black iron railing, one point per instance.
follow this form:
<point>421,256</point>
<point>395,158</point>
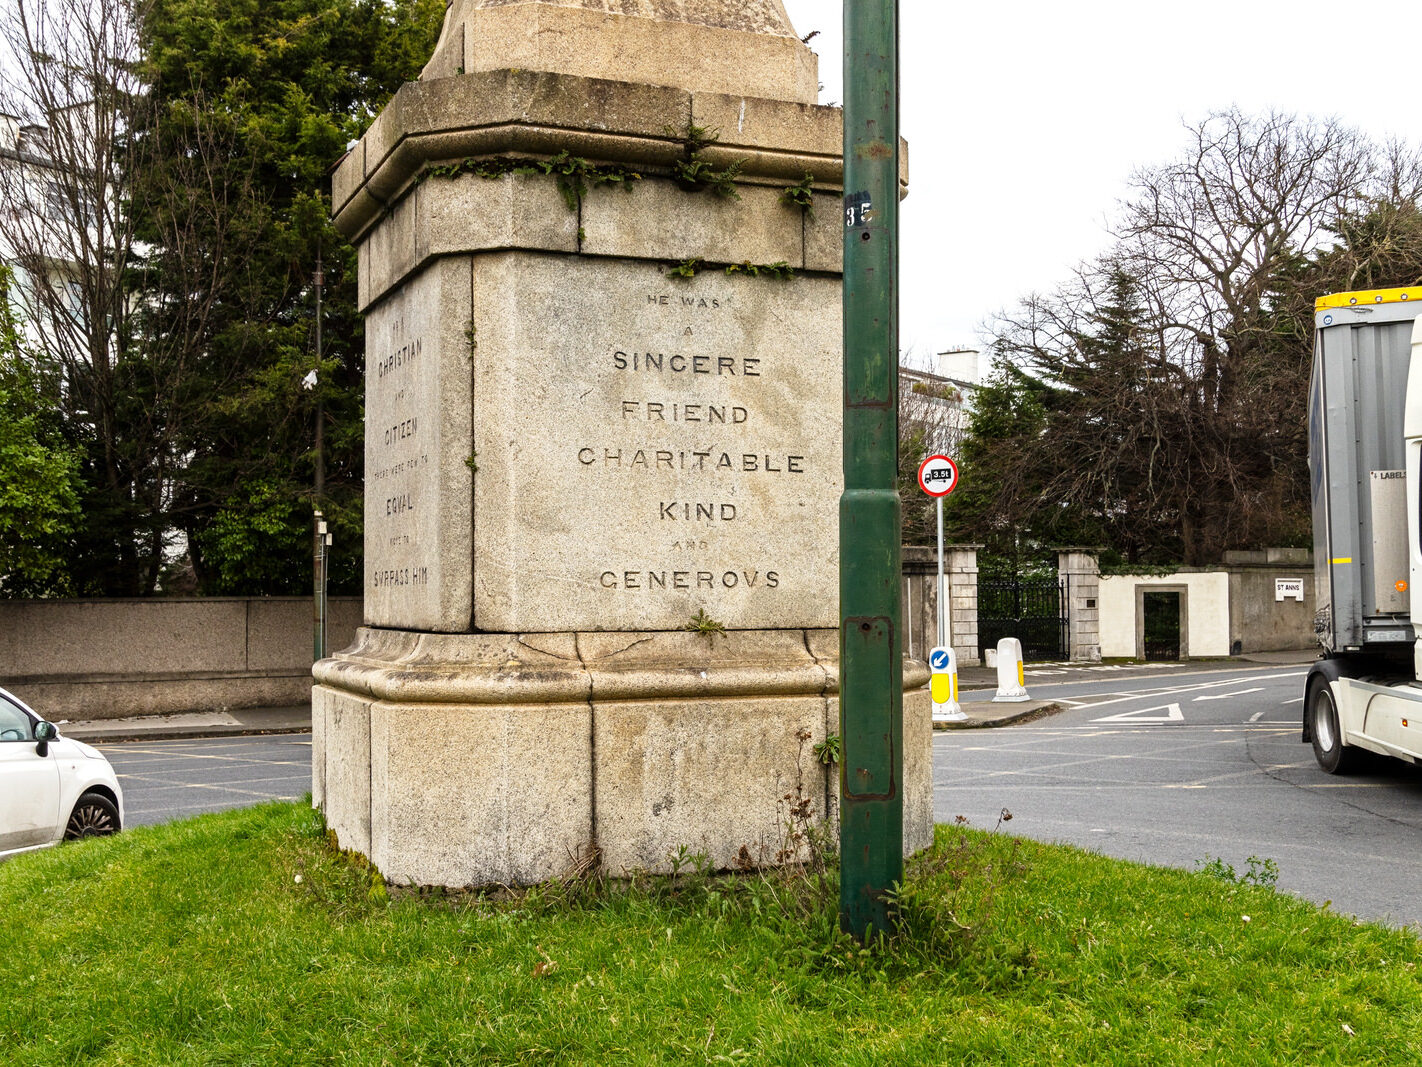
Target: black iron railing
<point>1033,611</point>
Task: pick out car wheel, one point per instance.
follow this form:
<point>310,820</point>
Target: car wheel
<point>1328,747</point>
<point>93,816</point>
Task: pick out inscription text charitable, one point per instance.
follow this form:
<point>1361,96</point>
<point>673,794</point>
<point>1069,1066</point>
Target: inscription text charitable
<point>699,429</point>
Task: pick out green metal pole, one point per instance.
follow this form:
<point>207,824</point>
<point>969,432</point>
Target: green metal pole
<point>871,687</point>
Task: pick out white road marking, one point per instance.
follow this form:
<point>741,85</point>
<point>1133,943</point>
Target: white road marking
<point>124,753</point>
<point>211,788</point>
<point>1172,714</point>
<point>1247,775</point>
<point>1226,696</point>
<point>1296,700</point>
<point>1256,716</point>
<point>1172,690</point>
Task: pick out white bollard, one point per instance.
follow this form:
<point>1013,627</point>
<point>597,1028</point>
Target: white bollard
<point>1010,682</point>
<point>943,685</point>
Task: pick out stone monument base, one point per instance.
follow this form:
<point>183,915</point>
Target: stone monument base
<point>476,759</point>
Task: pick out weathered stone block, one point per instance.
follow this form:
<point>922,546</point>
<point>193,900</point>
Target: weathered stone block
<point>824,646</point>
<point>918,770</point>
<point>745,124</point>
<point>341,748</point>
<point>751,663</point>
<point>650,447</point>
<point>656,219</point>
<point>824,234</point>
<point>387,254</point>
<point>561,442</point>
<point>707,46</point>
<point>418,453</point>
<point>446,216</point>
<point>712,776</point>
<point>511,803</point>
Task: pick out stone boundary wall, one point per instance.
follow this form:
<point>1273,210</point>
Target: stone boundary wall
<point>1233,609</point>
<point>107,659</point>
<point>1204,604</point>
<point>1259,621</point>
<point>920,600</point>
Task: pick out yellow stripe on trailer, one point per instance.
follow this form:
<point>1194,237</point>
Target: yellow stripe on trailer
<point>1341,559</point>
<point>1367,296</point>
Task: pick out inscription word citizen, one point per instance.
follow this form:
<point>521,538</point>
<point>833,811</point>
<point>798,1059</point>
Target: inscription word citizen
<point>399,358</point>
<point>676,363</point>
<point>402,430</point>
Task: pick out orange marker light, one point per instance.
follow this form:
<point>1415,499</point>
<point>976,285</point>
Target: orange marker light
<point>1401,586</point>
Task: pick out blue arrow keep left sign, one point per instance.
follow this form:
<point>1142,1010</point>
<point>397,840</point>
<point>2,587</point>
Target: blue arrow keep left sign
<point>938,660</point>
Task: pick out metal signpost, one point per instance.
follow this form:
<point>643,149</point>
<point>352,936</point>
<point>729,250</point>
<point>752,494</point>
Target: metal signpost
<point>871,659</point>
<point>321,539</point>
<point>938,476</point>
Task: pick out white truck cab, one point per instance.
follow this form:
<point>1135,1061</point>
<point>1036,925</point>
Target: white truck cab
<point>1365,466</point>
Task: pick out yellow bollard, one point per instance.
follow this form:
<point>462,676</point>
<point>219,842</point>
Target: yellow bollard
<point>943,685</point>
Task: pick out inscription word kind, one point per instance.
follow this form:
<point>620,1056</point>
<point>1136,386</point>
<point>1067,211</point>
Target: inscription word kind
<point>397,458</point>
<point>666,398</point>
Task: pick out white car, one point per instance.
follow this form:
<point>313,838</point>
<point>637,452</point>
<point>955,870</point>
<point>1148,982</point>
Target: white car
<point>52,788</point>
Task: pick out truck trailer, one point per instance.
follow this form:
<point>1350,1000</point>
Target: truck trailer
<point>1365,466</point>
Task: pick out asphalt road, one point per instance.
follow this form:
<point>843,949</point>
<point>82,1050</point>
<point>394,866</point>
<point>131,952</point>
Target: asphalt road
<point>1184,768</point>
<point>163,780</point>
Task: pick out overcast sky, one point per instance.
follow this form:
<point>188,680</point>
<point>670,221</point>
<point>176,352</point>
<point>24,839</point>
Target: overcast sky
<point>1025,119</point>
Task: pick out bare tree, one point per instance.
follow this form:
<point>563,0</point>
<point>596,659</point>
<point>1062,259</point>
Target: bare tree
<point>1380,245</point>
<point>1210,238</point>
<point>1176,365</point>
<point>68,88</point>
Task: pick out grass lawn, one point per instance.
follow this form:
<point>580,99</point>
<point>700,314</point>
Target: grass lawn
<point>243,938</point>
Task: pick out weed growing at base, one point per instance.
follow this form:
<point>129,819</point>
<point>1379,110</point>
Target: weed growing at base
<point>244,938</point>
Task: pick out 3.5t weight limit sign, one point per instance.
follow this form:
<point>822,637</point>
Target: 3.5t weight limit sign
<point>938,476</point>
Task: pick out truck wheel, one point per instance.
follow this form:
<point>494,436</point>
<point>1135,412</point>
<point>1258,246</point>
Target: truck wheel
<point>1328,747</point>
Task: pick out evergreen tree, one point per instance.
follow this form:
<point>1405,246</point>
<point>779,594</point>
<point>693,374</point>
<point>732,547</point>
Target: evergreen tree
<point>39,472</point>
<point>1173,373</point>
<point>997,492</point>
<point>250,104</point>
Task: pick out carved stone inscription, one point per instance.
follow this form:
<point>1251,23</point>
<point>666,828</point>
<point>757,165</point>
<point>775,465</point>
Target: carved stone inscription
<point>649,447</point>
<point>417,435</point>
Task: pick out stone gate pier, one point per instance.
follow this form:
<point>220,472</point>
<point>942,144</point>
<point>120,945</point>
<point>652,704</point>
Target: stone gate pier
<point>602,405</point>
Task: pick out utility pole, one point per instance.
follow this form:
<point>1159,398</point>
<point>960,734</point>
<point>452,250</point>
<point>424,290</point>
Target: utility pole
<point>871,668</point>
<point>319,537</point>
